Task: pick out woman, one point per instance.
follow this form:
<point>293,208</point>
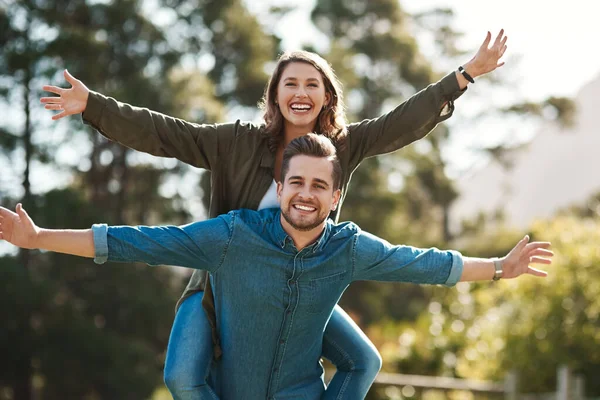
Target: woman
<point>303,95</point>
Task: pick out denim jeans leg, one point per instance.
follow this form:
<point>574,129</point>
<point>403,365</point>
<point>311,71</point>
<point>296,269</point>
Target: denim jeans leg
<point>189,354</point>
<point>357,360</point>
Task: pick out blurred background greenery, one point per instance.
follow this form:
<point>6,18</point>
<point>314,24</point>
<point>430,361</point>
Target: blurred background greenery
<point>71,329</point>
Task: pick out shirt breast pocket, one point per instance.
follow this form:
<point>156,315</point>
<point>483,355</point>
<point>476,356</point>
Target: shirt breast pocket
<point>323,293</point>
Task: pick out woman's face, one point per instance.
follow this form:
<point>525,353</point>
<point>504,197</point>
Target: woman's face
<point>301,96</point>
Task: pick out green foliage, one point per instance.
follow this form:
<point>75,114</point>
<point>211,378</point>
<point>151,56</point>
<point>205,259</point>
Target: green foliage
<point>529,325</point>
<point>105,326</point>
<point>559,109</point>
<point>555,321</point>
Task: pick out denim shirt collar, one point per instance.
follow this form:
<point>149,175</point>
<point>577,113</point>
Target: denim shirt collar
<point>282,237</point>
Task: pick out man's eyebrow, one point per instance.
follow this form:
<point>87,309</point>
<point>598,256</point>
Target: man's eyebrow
<point>295,177</point>
<point>322,181</point>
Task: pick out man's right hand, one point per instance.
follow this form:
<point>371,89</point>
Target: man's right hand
<point>18,228</point>
<point>69,101</point>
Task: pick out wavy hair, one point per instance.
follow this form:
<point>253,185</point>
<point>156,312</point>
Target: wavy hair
<point>331,121</point>
<point>313,145</point>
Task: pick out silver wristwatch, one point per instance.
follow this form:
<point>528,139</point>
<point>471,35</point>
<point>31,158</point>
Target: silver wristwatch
<point>498,269</point>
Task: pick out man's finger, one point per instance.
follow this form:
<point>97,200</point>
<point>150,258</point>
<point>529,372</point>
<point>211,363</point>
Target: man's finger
<point>540,260</point>
<point>53,89</point>
<point>540,252</point>
<point>5,212</point>
<point>538,245</point>
<point>522,243</point>
<point>537,272</point>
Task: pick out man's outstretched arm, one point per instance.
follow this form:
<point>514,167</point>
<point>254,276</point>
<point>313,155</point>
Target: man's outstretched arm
<point>196,245</point>
<point>19,229</point>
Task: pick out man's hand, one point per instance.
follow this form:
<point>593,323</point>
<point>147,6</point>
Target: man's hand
<point>487,58</point>
<point>18,229</point>
<point>517,262</point>
<point>69,101</point>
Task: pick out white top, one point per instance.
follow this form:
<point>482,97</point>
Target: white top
<point>270,198</point>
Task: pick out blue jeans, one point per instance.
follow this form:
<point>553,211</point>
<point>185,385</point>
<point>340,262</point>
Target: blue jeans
<point>189,355</point>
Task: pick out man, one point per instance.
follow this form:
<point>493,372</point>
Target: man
<point>286,269</point>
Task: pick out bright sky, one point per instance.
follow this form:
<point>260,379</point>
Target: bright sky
<point>556,41</point>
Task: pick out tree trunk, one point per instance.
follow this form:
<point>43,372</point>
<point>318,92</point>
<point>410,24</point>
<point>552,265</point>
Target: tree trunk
<point>23,389</point>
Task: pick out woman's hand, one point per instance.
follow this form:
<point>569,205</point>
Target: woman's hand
<point>69,101</point>
<point>487,58</point>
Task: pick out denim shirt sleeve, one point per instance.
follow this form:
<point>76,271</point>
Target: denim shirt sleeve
<point>197,245</point>
<point>376,259</point>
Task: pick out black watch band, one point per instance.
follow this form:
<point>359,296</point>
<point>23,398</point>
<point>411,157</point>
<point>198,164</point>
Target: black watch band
<point>466,74</point>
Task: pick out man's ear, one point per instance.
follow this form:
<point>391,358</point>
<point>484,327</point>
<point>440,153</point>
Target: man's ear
<point>336,199</point>
<point>279,189</point>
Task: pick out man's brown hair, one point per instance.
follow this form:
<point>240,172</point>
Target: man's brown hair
<point>313,145</point>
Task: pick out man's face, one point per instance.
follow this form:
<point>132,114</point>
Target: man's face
<point>306,194</point>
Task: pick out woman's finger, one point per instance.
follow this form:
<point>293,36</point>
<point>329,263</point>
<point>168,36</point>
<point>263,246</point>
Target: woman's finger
<point>60,115</point>
<point>53,99</point>
<point>53,89</point>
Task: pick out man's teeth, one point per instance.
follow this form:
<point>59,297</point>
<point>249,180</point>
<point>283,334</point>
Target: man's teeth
<point>304,208</point>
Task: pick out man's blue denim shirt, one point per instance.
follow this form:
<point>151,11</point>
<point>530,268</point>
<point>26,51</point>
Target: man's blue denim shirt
<point>273,301</point>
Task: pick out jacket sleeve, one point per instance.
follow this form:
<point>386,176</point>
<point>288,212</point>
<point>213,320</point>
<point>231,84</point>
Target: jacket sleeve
<point>408,122</point>
<point>151,132</point>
